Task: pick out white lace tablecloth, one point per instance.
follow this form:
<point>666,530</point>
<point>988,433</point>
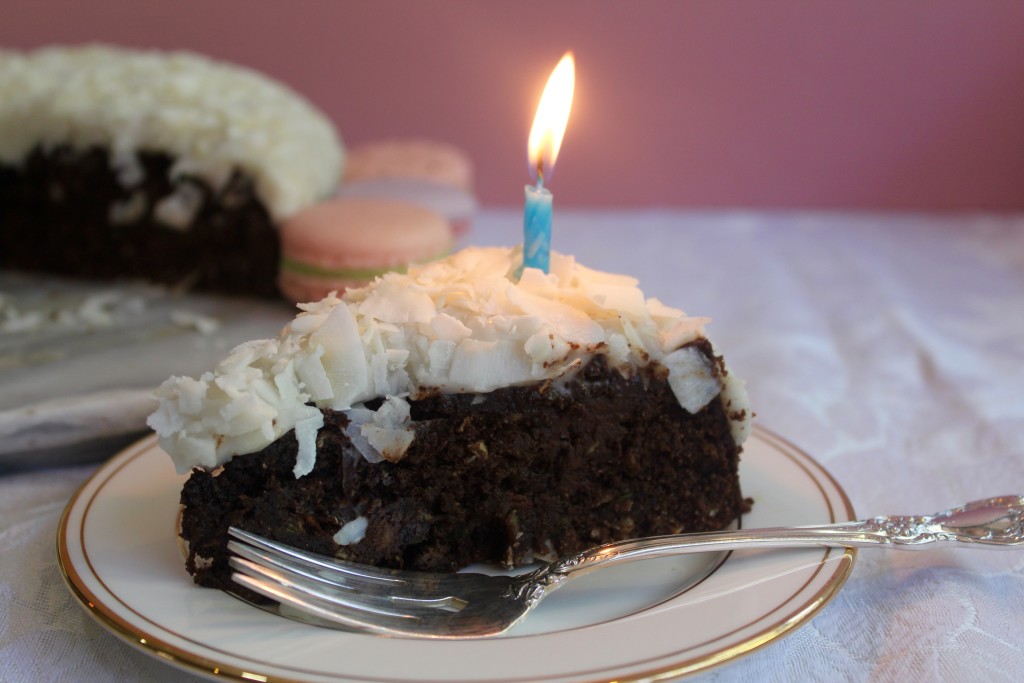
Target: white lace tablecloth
<point>890,347</point>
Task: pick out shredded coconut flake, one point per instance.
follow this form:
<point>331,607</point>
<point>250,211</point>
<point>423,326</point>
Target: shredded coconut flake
<point>203,324</point>
<point>352,532</point>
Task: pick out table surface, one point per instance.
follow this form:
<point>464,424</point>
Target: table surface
<point>888,346</point>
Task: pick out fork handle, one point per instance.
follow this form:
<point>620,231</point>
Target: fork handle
<point>991,523</point>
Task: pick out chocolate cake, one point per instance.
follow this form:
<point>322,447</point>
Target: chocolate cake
<point>166,167</point>
<point>461,414</point>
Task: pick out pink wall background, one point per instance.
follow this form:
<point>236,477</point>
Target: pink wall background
<point>872,104</point>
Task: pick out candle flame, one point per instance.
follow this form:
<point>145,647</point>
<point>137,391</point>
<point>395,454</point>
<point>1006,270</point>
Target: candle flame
<point>551,119</point>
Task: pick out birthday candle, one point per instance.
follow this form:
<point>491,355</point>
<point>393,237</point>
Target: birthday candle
<point>537,227</point>
<point>542,149</point>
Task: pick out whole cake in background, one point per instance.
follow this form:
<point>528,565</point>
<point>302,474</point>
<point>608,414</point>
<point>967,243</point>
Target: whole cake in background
<point>168,167</point>
<point>460,413</point>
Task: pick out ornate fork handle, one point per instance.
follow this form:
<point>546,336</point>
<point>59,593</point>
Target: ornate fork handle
<point>991,523</point>
<point>996,522</point>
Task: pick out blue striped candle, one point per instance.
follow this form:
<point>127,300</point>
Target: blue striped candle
<point>537,227</point>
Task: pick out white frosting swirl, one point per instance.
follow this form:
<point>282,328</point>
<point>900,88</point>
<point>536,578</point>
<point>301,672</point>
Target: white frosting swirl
<point>213,118</point>
<point>463,324</point>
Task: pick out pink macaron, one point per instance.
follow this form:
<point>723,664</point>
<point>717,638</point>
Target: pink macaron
<point>347,242</point>
<point>411,159</point>
<point>433,174</point>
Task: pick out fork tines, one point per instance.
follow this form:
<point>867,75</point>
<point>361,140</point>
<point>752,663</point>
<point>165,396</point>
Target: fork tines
<point>351,595</point>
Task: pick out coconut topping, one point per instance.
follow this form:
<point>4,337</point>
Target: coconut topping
<point>352,532</point>
<point>213,118</point>
<point>466,324</point>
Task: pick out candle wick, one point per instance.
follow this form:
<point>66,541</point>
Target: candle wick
<point>540,173</point>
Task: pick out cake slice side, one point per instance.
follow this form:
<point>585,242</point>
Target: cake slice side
<point>500,478</point>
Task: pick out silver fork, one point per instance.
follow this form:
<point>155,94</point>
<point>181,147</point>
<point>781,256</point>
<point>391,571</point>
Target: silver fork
<point>330,592</point>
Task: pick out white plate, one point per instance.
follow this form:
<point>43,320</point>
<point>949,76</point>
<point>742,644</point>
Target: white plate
<point>79,360</point>
<point>118,550</point>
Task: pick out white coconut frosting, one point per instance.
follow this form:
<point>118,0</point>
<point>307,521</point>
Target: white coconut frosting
<point>463,324</point>
<point>212,117</point>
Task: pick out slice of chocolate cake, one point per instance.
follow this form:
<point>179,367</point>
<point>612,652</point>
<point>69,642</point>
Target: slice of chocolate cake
<point>166,167</point>
<point>457,414</point>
